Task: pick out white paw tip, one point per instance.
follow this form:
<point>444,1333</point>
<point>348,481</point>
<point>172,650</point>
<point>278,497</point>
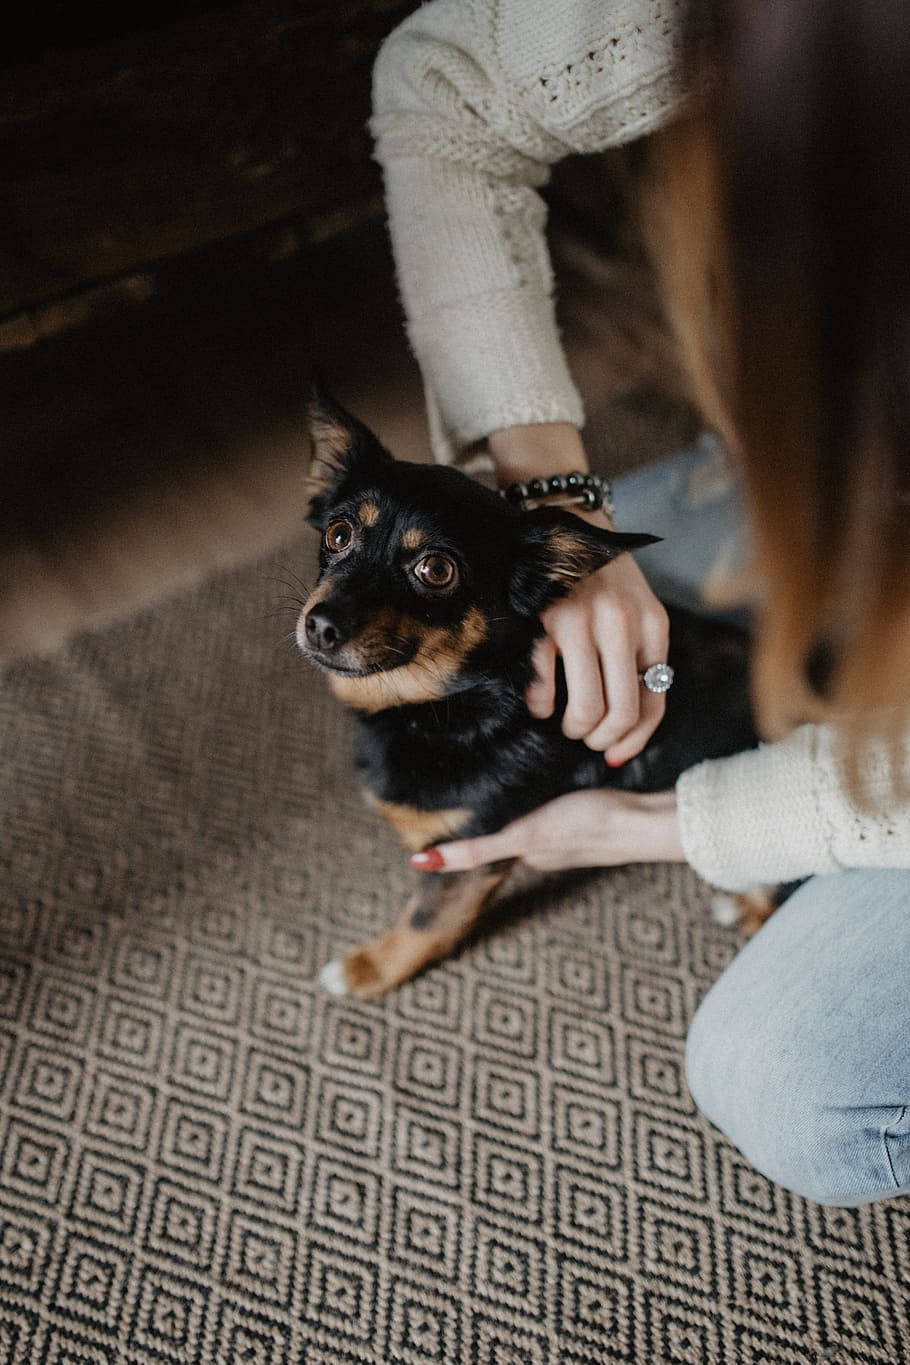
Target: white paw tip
<point>724,910</point>
<point>332,978</point>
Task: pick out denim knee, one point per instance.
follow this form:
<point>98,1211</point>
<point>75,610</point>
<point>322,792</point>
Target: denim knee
<point>776,1099</point>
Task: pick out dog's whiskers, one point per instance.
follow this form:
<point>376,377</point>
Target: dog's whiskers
<point>269,615</point>
<point>290,638</point>
<point>296,576</point>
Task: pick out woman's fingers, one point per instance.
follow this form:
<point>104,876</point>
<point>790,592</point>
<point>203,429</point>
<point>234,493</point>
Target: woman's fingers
<point>594,828</point>
<point>586,703</point>
<point>464,854</point>
<point>607,631</point>
<point>650,706</point>
<point>540,695</point>
<point>623,694</point>
<point>634,740</point>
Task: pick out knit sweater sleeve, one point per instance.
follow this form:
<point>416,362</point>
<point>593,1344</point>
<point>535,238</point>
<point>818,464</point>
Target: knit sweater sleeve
<point>784,811</point>
<point>473,102</point>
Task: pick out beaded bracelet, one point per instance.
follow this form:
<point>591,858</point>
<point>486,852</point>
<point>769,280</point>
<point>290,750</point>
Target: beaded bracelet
<point>562,490</point>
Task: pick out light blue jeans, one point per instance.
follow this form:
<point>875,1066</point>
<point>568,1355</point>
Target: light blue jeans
<point>800,1052</point>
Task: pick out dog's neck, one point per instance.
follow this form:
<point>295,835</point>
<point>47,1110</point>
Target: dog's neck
<point>484,700</point>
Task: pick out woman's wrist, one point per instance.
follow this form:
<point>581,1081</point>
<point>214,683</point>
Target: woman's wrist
<point>654,817</point>
<point>602,827</point>
<point>527,452</point>
<point>522,453</point>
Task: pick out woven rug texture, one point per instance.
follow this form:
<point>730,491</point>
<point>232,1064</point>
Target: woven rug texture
<point>206,1160</point>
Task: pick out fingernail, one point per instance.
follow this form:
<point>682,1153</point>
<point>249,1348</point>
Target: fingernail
<point>431,860</point>
<point>615,762</point>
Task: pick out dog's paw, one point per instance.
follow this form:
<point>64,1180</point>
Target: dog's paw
<point>725,910</point>
<point>333,979</point>
<point>744,910</point>
<point>366,973</point>
<point>357,974</point>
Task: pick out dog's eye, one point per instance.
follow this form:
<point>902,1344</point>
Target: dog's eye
<point>338,537</point>
<point>436,571</point>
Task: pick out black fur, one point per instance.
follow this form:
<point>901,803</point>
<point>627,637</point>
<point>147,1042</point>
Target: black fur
<point>477,747</point>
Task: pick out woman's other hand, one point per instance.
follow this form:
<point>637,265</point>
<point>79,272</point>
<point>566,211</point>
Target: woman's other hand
<point>607,631</point>
<point>601,828</point>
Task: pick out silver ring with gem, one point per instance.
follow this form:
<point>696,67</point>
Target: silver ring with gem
<point>657,678</point>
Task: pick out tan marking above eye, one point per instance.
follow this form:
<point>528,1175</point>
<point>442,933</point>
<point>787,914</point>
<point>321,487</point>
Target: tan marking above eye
<point>413,538</point>
<point>368,512</point>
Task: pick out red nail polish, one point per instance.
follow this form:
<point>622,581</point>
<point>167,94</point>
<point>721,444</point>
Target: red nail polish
<point>431,860</point>
<point>615,762</point>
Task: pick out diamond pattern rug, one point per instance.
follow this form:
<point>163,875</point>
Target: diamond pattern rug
<point>203,1158</point>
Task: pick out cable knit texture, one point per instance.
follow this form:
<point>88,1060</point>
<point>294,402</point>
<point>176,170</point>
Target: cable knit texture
<point>473,102</point>
<point>783,811</point>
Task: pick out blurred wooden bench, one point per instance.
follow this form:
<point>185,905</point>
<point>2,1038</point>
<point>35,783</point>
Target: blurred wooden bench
<point>127,139</point>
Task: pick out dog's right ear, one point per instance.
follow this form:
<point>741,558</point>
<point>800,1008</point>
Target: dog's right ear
<point>341,447</point>
<point>556,550</point>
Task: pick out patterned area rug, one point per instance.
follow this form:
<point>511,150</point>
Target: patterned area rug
<point>204,1159</point>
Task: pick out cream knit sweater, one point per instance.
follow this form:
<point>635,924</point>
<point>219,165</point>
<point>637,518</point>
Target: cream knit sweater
<point>473,101</point>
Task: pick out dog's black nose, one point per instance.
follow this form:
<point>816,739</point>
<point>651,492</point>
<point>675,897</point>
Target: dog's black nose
<point>321,631</point>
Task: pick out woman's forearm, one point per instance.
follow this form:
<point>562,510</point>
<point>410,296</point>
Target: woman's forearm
<point>784,811</point>
<point>524,452</point>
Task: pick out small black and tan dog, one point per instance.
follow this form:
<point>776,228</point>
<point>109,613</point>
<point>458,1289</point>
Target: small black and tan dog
<point>424,617</point>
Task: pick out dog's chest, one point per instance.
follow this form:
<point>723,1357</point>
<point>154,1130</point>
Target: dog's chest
<point>488,782</point>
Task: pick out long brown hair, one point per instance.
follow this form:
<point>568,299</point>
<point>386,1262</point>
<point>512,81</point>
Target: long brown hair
<point>779,219</point>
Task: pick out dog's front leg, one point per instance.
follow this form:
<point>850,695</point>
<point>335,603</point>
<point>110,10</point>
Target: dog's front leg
<point>434,921</point>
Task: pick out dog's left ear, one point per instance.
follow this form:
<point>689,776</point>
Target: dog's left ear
<point>341,446</point>
<point>555,550</point>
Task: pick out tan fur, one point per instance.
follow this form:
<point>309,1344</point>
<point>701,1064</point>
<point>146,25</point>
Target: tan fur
<point>319,594</point>
<point>328,437</point>
<point>452,904</point>
<point>425,678</point>
<point>368,513</point>
<point>754,908</point>
<point>405,686</point>
<point>413,538</point>
<point>330,442</point>
<point>418,829</point>
<point>571,560</point>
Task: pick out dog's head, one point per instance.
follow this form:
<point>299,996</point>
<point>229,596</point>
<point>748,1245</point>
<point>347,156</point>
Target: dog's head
<point>424,572</point>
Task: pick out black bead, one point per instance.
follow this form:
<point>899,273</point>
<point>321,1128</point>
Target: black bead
<point>558,483</point>
<point>574,480</point>
<point>516,492</point>
<point>537,488</point>
<point>591,498</point>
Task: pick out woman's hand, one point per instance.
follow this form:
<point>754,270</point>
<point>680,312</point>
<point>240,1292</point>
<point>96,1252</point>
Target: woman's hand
<point>600,828</point>
<point>607,631</point>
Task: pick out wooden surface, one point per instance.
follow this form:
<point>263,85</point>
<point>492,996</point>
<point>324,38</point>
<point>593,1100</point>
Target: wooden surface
<point>149,145</point>
<point>190,195</point>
